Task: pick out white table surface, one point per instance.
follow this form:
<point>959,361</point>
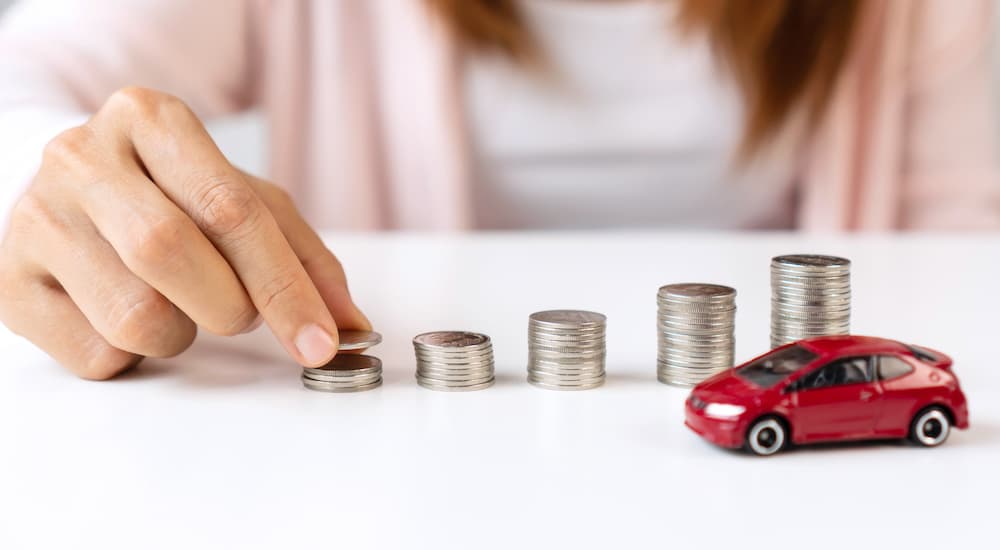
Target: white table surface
<point>222,447</point>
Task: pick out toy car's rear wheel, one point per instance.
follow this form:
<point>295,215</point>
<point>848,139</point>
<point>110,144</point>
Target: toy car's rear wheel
<point>930,427</point>
<point>766,436</point>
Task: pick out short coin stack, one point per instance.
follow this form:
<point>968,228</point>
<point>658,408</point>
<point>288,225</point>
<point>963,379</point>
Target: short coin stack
<point>810,296</point>
<point>566,349</point>
<point>454,360</point>
<point>348,372</point>
<point>695,324</point>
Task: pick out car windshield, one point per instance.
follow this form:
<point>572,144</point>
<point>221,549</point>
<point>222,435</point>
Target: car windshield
<point>776,366</point>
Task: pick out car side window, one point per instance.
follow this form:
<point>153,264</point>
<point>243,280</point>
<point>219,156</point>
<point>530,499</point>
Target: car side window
<point>890,367</point>
<point>851,370</point>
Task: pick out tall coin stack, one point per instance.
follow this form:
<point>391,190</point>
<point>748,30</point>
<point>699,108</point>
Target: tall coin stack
<point>695,324</point>
<point>348,372</point>
<point>454,360</point>
<point>566,349</point>
<point>810,296</point>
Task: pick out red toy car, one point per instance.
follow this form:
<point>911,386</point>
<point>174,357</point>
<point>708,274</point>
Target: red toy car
<point>833,388</point>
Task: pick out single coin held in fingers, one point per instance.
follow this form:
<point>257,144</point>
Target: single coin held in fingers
<point>358,339</point>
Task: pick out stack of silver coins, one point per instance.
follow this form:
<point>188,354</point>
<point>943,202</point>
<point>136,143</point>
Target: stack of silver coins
<point>566,349</point>
<point>695,324</point>
<point>810,296</point>
<point>348,372</point>
<point>454,360</point>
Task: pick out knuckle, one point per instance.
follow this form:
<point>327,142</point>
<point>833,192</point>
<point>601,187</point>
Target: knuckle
<point>227,206</point>
<point>70,148</point>
<point>28,211</point>
<point>139,319</point>
<point>158,243</point>
<point>146,103</point>
<point>30,215</point>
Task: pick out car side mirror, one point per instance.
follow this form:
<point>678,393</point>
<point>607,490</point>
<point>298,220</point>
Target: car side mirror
<point>794,386</point>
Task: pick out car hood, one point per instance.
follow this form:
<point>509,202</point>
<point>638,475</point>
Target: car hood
<point>727,387</point>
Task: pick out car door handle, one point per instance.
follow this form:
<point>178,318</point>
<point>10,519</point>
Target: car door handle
<point>866,395</point>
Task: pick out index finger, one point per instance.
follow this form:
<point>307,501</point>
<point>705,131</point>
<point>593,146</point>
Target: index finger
<point>185,163</point>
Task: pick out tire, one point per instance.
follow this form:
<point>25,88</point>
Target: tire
<point>930,427</point>
<point>766,436</point>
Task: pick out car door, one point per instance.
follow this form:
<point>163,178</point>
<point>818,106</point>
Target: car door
<point>839,400</point>
<point>899,396</point>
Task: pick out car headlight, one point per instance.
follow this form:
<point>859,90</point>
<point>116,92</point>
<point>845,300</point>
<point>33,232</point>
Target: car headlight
<point>724,410</point>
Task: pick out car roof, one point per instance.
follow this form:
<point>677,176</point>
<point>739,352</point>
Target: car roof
<point>853,345</point>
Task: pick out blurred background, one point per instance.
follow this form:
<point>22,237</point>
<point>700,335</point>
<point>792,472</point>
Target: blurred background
<point>242,137</point>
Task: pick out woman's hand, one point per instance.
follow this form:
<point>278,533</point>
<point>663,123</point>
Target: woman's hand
<point>136,229</point>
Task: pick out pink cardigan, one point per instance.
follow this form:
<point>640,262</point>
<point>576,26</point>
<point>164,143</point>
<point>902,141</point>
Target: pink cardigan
<point>366,124</point>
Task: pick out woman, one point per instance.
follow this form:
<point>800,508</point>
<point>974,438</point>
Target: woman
<point>133,228</point>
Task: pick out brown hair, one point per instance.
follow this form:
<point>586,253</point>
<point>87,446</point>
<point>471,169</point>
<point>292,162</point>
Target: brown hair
<point>782,53</point>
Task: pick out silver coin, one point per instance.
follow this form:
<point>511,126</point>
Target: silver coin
<point>450,339</point>
<point>709,338</point>
<point>811,261</point>
<point>453,388</point>
<point>566,335</point>
<point>358,339</point>
<point>334,388</point>
<point>348,362</point>
<point>695,376</point>
<point>563,317</point>
<point>343,376</point>
<point>457,360</point>
<point>565,387</point>
<point>698,291</point>
<point>326,384</point>
<point>455,374</point>
<point>455,377</point>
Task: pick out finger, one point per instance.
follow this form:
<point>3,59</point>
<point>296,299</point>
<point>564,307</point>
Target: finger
<point>50,320</point>
<point>185,163</point>
<point>129,314</point>
<point>323,268</point>
<point>149,233</point>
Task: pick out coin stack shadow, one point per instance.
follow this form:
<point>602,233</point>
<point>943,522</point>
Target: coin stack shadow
<point>810,296</point>
<point>566,349</point>
<point>454,360</point>
<point>695,326</point>
<point>346,372</point>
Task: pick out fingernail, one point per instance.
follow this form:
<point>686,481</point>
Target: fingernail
<point>314,344</point>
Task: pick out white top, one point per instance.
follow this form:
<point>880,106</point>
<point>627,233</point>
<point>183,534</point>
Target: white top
<point>222,447</point>
<point>634,126</point>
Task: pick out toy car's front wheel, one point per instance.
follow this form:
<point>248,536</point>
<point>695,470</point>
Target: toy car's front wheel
<point>930,427</point>
<point>766,436</point>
